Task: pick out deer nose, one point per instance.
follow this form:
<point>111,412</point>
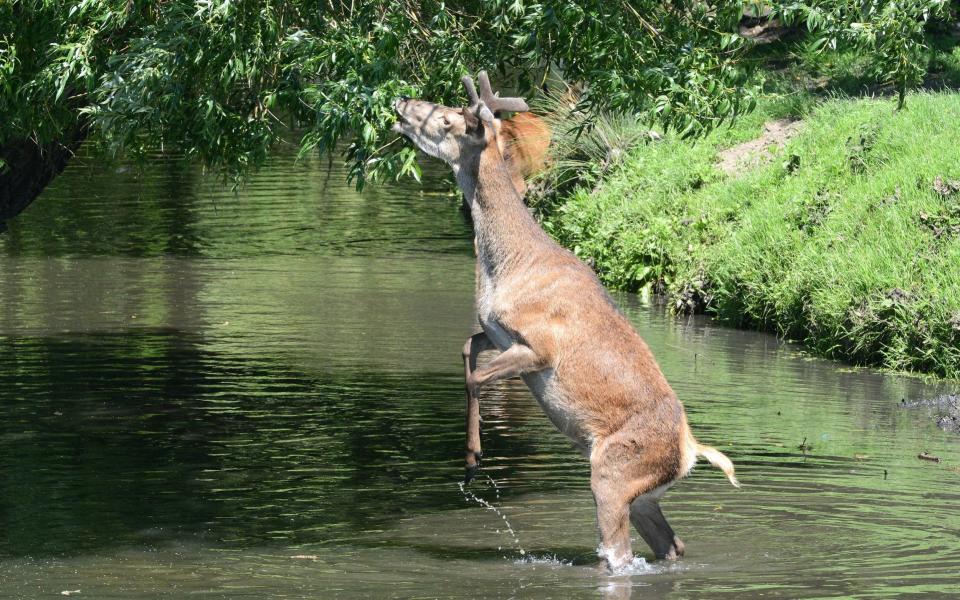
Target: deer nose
<point>404,98</point>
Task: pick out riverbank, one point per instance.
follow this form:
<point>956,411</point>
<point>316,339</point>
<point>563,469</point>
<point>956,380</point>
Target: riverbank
<point>846,239</point>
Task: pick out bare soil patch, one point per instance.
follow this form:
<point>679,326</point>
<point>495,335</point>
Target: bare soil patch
<point>760,151</point>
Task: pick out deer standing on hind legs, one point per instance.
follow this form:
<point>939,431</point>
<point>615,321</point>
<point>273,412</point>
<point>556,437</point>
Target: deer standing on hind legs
<point>558,328</point>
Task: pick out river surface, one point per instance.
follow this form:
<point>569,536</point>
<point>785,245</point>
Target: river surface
<point>259,395</point>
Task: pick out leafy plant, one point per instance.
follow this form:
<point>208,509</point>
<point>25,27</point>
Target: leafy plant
<point>224,81</point>
<point>855,253</point>
<point>891,32</point>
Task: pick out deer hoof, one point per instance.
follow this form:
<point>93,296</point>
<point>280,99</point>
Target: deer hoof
<point>471,472</point>
<point>676,550</point>
<point>473,465</point>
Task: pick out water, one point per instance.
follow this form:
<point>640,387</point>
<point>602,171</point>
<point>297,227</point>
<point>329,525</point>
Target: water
<point>260,395</point>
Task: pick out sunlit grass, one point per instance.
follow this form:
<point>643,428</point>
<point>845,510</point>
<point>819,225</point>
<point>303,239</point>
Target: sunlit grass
<point>840,241</point>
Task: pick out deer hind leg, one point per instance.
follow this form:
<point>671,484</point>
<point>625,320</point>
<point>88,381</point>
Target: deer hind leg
<point>613,487</point>
<point>612,520</point>
<point>627,488</point>
<point>474,345</point>
<point>646,516</point>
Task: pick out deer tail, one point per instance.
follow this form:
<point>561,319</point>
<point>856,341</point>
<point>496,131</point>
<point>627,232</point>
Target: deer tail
<point>719,460</point>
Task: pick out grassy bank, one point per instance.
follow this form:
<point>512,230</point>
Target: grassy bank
<point>848,240</point>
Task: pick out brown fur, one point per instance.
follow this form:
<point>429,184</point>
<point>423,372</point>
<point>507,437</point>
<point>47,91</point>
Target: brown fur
<point>524,140</point>
<point>558,328</point>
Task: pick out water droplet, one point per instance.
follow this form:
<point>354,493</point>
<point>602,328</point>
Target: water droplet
<point>468,496</point>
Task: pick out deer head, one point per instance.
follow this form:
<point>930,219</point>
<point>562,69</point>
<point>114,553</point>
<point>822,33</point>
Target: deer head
<point>456,135</point>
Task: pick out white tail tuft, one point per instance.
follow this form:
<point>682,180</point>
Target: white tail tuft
<point>719,460</point>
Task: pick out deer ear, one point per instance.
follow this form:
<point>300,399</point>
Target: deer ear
<point>485,115</point>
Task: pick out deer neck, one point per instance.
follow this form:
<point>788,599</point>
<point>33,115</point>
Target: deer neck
<point>506,233</point>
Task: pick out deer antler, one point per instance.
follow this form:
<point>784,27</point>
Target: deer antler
<point>486,97</point>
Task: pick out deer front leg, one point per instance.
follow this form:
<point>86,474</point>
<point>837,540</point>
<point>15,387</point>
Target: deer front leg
<point>474,345</point>
<point>515,360</point>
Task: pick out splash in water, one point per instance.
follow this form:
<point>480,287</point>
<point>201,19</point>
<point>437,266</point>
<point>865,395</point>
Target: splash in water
<point>468,495</point>
<point>636,565</point>
<point>550,560</point>
<point>493,483</point>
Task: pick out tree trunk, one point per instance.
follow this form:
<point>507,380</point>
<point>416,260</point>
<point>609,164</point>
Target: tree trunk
<point>30,167</point>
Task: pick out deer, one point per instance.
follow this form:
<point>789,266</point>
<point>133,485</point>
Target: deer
<point>554,325</point>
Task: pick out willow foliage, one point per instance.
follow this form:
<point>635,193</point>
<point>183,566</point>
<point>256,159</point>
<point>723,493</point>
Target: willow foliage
<point>224,80</point>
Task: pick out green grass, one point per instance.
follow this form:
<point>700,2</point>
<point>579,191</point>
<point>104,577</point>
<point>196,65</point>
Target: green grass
<point>840,242</point>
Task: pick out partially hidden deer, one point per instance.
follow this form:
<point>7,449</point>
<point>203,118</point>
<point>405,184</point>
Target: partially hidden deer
<point>556,326</point>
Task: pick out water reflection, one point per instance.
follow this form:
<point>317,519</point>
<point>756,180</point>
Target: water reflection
<point>260,395</point>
